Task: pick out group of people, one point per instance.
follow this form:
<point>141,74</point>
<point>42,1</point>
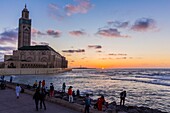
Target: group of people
<point>72,94</point>
<point>41,92</point>
<point>40,95</point>
<point>101,102</point>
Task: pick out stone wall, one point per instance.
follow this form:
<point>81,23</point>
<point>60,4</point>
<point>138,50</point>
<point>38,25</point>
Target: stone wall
<point>32,71</point>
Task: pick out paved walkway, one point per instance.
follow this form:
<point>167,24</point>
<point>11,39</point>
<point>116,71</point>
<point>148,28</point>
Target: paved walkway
<point>25,104</point>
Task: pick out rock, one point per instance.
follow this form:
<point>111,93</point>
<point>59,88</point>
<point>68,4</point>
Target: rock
<point>133,111</point>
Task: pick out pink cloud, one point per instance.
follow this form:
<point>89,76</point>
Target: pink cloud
<point>144,24</point>
<point>34,43</point>
<point>82,7</point>
<point>35,32</point>
<point>77,33</point>
<point>110,32</point>
<point>53,33</point>
<point>9,36</point>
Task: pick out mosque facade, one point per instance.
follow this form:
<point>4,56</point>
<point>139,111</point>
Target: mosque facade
<point>27,56</point>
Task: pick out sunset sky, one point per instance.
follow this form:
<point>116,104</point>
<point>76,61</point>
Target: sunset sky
<point>94,33</point>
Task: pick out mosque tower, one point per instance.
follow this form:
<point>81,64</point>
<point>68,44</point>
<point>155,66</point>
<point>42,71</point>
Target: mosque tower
<point>24,30</point>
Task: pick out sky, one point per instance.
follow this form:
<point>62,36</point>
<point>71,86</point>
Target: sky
<point>94,33</point>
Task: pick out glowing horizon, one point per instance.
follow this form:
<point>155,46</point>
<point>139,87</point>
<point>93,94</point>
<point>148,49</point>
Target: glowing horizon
<point>89,33</point>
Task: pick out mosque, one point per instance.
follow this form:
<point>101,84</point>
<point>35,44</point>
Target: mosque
<point>27,56</point>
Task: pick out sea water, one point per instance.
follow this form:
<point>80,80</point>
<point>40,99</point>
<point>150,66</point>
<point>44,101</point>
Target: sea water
<point>144,87</point>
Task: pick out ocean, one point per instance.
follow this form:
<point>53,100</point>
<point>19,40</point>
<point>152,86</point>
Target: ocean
<point>144,87</point>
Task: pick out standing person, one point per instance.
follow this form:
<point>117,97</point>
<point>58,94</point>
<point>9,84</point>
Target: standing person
<point>78,92</point>
<point>87,103</point>
<point>122,97</point>
<point>36,97</point>
<point>63,87</point>
<point>11,79</point>
<point>39,85</point>
<point>35,84</point>
<point>70,94</point>
<point>100,102</point>
<point>17,90</point>
<point>51,90</point>
<point>43,84</point>
<point>42,98</point>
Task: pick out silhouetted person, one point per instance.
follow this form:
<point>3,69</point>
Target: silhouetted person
<point>73,94</point>
<point>42,98</point>
<point>43,84</point>
<point>39,85</point>
<point>78,92</point>
<point>51,90</point>
<point>36,97</point>
<point>122,97</point>
<point>87,103</point>
<point>63,87</point>
<point>11,79</point>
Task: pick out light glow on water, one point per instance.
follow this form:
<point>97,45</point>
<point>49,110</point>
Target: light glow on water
<point>144,87</point>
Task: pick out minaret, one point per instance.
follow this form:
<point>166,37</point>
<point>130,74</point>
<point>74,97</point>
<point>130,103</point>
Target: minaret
<point>24,30</point>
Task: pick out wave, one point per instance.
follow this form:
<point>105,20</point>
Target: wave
<point>163,77</point>
<point>154,81</point>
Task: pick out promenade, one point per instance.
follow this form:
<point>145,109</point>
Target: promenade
<point>25,104</point>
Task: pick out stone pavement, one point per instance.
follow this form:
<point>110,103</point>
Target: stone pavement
<point>25,104</point>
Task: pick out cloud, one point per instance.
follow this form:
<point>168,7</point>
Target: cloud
<point>144,24</point>
<point>56,12</point>
<point>83,58</point>
<point>60,12</point>
<point>83,6</point>
<point>95,46</point>
<point>6,48</point>
<point>119,54</point>
<point>44,43</point>
<point>39,43</point>
<point>118,24</point>
<point>110,32</point>
<point>53,33</point>
<point>1,54</point>
<point>35,32</point>
<point>123,58</point>
<point>77,33</point>
<point>98,51</point>
<point>49,32</point>
<point>74,51</point>
<point>9,36</point>
<point>53,6</point>
<point>34,43</point>
<point>112,54</point>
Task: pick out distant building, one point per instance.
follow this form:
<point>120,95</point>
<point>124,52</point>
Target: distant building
<point>27,56</point>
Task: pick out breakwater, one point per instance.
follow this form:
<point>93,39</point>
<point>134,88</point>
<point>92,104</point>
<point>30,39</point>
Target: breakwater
<point>32,71</point>
<point>78,104</point>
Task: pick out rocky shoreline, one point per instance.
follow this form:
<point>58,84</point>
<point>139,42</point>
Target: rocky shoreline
<point>62,99</point>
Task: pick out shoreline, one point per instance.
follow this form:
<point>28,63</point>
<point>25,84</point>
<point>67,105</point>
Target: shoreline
<point>78,105</point>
